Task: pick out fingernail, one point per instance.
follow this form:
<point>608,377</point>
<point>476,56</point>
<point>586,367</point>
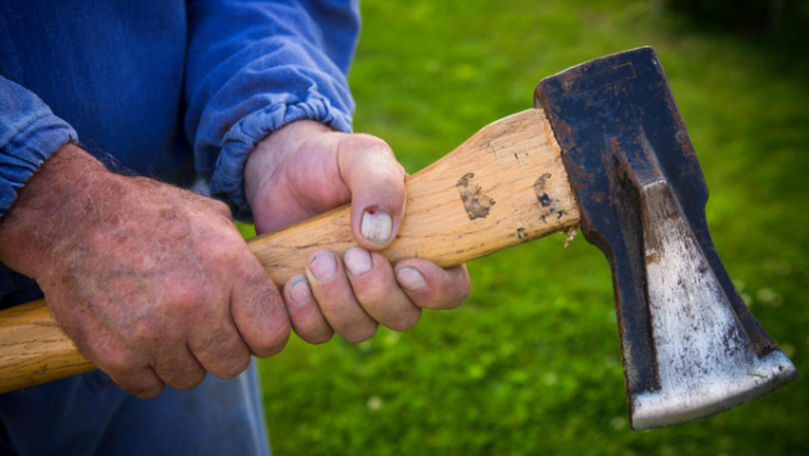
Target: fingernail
<point>299,291</point>
<point>323,266</point>
<point>376,225</point>
<point>357,260</point>
<point>411,279</point>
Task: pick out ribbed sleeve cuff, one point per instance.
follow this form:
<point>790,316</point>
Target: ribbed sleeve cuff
<point>239,141</point>
<point>24,152</point>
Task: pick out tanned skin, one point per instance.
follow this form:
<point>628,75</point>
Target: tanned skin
<point>156,286</point>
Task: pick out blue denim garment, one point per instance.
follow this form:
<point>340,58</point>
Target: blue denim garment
<point>88,415</point>
<point>128,75</point>
<point>295,70</point>
<point>167,89</point>
<point>29,132</point>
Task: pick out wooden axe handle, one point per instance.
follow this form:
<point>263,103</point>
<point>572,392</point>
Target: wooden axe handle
<point>504,186</point>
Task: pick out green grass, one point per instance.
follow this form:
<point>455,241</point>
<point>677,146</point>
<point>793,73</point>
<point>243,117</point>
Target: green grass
<point>531,363</point>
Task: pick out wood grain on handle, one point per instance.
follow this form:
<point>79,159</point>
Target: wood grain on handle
<point>504,186</point>
<point>34,350</point>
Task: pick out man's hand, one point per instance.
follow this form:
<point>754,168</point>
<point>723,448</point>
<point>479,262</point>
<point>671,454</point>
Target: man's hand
<point>153,283</point>
<point>304,169</point>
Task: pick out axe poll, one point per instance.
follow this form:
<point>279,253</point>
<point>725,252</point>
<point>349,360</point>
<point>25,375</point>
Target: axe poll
<point>604,149</point>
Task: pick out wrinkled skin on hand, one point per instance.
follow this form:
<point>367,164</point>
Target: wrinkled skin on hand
<point>304,169</point>
<point>153,283</point>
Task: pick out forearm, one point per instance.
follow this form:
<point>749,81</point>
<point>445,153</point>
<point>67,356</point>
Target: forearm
<point>29,134</point>
<point>53,205</point>
<point>153,283</point>
<point>255,67</point>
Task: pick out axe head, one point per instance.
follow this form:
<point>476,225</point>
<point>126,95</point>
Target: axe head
<point>691,347</point>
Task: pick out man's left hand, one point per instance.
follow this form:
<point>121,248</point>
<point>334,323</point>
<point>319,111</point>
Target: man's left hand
<point>304,169</point>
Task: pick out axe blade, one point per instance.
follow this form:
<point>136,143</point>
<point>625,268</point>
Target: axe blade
<point>691,347</point>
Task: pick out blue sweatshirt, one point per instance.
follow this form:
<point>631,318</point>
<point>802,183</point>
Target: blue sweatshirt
<point>167,89</point>
<point>171,90</point>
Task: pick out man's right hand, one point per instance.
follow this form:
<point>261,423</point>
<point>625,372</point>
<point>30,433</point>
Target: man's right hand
<point>154,284</point>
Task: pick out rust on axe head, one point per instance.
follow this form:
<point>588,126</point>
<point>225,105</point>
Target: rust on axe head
<point>691,347</point>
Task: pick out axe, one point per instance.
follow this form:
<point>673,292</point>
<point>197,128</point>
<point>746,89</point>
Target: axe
<point>604,149</point>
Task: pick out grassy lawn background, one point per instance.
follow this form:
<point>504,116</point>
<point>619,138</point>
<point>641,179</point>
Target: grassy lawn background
<point>531,363</point>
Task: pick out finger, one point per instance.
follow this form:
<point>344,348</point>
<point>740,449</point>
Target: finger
<point>143,382</point>
<point>376,181</point>
<point>169,357</point>
<point>220,207</point>
<point>377,291</point>
<point>181,370</point>
<point>217,345</point>
<point>432,287</point>
<point>336,299</point>
<point>129,370</point>
<point>258,311</point>
<point>307,320</point>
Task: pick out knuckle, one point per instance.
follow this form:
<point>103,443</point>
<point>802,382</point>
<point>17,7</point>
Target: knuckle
<point>273,340</point>
<point>221,351</point>
<point>113,358</point>
<point>447,300</point>
<point>312,327</point>
<point>318,336</point>
<point>186,298</point>
<point>460,296</point>
<point>188,381</point>
<point>360,333</point>
<point>181,373</point>
<point>376,287</point>
<point>146,331</point>
<point>371,147</point>
<point>233,367</point>
<point>450,293</point>
<point>140,382</point>
<point>224,254</point>
<point>145,391</point>
<point>313,330</point>
<point>220,207</point>
<point>213,344</point>
<point>407,321</point>
<point>261,318</point>
<point>258,289</point>
<point>369,142</point>
<point>372,294</point>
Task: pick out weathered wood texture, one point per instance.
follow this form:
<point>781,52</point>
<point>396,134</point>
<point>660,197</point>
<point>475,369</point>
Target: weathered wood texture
<point>34,350</point>
<point>504,186</point>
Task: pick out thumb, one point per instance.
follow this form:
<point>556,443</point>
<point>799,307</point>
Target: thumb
<point>376,181</point>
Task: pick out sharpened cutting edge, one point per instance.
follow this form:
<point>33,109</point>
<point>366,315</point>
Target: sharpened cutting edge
<point>671,406</point>
<point>705,362</point>
<point>691,347</point>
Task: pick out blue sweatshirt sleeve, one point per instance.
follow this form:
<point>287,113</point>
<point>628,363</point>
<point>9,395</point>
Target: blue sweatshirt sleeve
<point>29,134</point>
<point>253,67</point>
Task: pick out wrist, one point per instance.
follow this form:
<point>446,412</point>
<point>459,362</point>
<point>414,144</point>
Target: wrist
<point>276,147</point>
<point>55,202</point>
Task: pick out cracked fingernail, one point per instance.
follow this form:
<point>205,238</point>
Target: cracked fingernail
<point>299,291</point>
<point>376,226</point>
<point>411,279</point>
<point>357,260</point>
<point>323,266</point>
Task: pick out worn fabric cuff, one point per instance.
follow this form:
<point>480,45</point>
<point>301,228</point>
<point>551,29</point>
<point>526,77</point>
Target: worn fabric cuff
<point>23,151</point>
<point>241,139</point>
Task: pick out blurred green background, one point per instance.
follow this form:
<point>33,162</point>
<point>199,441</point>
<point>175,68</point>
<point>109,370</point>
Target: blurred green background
<point>531,363</point>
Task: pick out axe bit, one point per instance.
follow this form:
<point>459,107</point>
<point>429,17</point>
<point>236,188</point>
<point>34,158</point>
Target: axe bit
<point>691,347</point>
<point>604,149</point>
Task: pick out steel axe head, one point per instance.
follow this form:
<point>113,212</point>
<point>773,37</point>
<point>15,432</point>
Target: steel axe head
<point>691,347</point>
